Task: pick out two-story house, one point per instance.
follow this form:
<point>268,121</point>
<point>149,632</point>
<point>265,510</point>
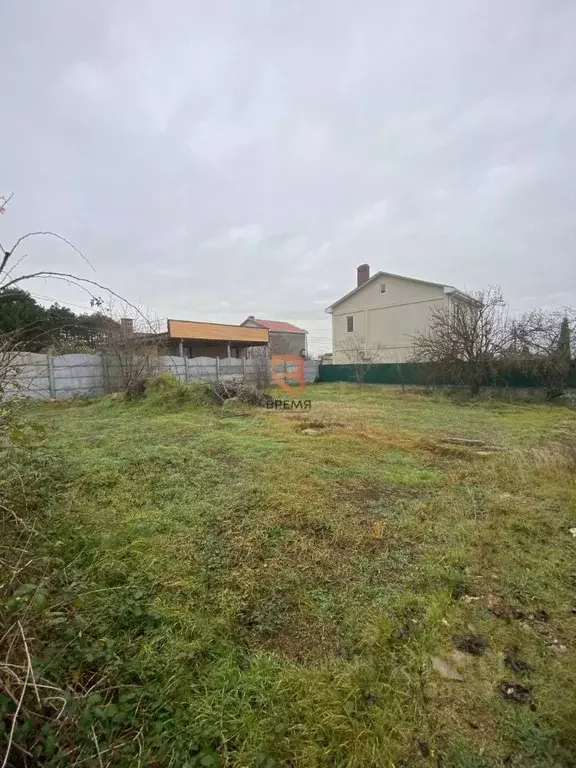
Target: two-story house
<point>285,338</point>
<point>379,317</point>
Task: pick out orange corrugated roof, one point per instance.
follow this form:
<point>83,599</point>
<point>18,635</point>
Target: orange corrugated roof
<point>190,329</point>
<point>277,325</point>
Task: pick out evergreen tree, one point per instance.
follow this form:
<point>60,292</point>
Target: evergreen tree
<point>22,319</point>
<point>564,353</point>
<point>560,362</point>
<point>36,328</point>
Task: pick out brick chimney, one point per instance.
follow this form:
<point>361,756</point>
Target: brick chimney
<point>363,274</point>
<point>127,327</point>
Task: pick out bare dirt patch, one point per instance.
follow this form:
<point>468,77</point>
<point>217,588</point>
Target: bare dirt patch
<point>365,490</point>
<point>302,638</point>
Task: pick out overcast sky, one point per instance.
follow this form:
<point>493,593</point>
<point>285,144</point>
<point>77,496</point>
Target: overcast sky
<point>219,159</point>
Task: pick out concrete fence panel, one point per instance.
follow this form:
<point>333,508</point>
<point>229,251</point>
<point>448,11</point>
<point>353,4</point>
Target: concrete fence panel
<point>45,376</point>
<point>202,369</point>
<point>76,375</point>
<point>27,375</point>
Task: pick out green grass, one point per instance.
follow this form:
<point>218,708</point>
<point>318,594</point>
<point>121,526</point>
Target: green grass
<point>238,593</point>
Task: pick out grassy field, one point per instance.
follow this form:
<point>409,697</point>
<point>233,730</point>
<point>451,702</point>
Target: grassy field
<point>235,591</point>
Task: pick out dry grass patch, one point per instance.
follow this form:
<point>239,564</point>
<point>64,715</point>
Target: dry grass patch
<point>554,459</point>
<point>275,599</point>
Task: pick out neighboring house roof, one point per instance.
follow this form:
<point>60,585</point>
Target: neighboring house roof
<point>275,325</point>
<point>378,275</point>
<point>190,329</point>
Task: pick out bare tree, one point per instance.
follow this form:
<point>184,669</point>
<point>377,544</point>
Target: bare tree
<point>260,359</point>
<point>400,372</point>
<point>4,200</point>
<point>11,258</point>
<point>131,346</point>
<point>279,346</point>
<point>13,361</point>
<point>544,344</point>
<point>130,352</point>
<point>467,339</point>
<point>358,354</point>
<point>9,368</point>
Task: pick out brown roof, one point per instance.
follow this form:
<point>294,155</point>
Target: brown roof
<point>276,325</point>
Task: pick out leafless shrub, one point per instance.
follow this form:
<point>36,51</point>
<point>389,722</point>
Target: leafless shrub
<point>544,345</point>
<point>279,346</point>
<point>467,340</point>
<point>401,381</point>
<point>131,346</point>
<point>260,356</point>
<point>357,353</point>
<point>9,368</point>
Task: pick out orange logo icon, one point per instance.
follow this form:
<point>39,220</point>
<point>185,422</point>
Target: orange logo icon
<point>286,369</point>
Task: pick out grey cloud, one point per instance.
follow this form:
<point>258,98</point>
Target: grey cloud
<point>216,159</point>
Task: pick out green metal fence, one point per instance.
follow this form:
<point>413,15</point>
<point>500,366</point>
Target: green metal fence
<point>414,374</point>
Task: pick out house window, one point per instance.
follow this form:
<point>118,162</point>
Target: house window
<point>382,287</point>
<point>350,324</point>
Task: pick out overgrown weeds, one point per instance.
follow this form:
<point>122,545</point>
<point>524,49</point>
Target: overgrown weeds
<point>30,702</point>
<point>167,391</point>
<point>71,624</point>
<point>205,590</point>
<point>65,696</point>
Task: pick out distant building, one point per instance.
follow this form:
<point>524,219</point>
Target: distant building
<point>188,338</point>
<point>285,338</point>
<point>384,312</point>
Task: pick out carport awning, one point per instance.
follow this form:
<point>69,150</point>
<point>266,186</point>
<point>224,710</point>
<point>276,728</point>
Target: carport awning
<point>230,334</point>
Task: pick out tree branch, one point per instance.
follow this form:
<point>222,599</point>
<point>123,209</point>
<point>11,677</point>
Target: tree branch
<point>8,254</point>
<point>71,279</point>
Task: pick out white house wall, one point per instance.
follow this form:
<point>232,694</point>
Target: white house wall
<point>388,320</point>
